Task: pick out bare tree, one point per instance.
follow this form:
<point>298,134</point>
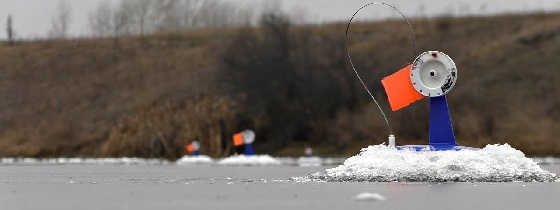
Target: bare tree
<point>100,20</point>
<point>190,12</point>
<point>105,21</point>
<point>10,30</point>
<point>214,13</point>
<point>167,15</point>
<point>142,15</point>
<point>60,23</point>
<point>122,20</point>
<point>144,10</point>
<point>245,16</point>
<point>146,16</point>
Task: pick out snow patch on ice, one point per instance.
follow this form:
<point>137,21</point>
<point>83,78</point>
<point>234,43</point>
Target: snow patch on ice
<point>201,159</point>
<point>366,196</point>
<point>380,163</point>
<point>309,161</point>
<point>66,161</point>
<point>252,160</point>
<point>547,160</point>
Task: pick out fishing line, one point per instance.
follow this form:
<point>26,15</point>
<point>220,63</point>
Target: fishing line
<point>348,32</point>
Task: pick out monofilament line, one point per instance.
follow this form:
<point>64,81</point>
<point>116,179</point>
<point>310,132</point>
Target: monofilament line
<point>348,32</point>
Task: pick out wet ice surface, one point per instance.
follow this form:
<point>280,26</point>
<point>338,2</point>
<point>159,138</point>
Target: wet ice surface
<point>223,187</point>
<point>213,186</point>
<point>380,163</point>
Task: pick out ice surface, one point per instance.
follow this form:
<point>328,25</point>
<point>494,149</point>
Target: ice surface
<point>380,163</point>
<point>252,160</point>
<point>201,159</point>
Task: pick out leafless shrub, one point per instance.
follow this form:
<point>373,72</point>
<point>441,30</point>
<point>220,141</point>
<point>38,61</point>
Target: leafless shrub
<point>10,33</point>
<point>101,20</point>
<point>60,23</point>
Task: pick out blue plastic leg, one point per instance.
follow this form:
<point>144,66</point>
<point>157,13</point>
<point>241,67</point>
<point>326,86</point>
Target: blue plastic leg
<point>249,149</point>
<point>196,153</point>
<point>441,130</point>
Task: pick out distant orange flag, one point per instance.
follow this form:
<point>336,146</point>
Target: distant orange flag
<point>189,148</point>
<point>238,139</point>
<point>399,89</point>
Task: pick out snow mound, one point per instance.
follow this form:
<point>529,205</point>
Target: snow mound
<point>380,163</point>
<point>309,161</point>
<point>252,160</point>
<point>201,159</point>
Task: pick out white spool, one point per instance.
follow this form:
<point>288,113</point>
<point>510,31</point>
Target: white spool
<point>248,136</point>
<point>433,74</point>
<point>392,140</point>
<point>195,145</point>
<point>308,151</point>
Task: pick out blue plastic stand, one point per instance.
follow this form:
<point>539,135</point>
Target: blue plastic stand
<point>249,149</point>
<point>196,153</point>
<point>441,129</point>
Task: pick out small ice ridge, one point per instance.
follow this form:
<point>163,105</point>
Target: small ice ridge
<point>381,163</point>
<point>200,159</point>
<point>250,160</point>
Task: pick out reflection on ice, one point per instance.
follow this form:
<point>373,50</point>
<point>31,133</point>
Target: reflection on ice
<point>380,163</point>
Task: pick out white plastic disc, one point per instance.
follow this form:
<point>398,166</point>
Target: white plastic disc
<point>195,145</point>
<point>433,74</point>
<point>248,136</point>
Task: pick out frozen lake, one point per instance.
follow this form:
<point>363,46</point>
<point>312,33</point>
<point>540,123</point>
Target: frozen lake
<point>162,185</point>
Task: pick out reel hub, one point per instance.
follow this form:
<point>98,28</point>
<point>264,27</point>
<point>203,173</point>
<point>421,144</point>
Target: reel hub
<point>433,74</point>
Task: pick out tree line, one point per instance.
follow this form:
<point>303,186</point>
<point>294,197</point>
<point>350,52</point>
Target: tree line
<point>142,17</point>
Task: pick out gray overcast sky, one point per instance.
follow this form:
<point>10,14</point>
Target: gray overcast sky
<point>32,17</point>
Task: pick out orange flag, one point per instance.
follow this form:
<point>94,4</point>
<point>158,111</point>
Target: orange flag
<point>399,89</point>
<point>238,139</point>
<point>190,148</point>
